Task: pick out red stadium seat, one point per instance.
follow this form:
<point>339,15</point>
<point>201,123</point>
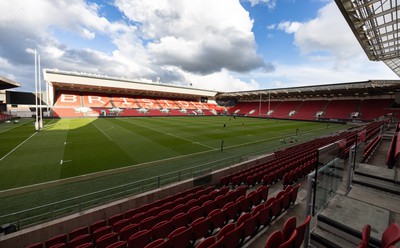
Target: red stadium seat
<point>257,209</point>
<point>274,240</point>
<point>232,238</point>
<point>130,213</point>
<point>300,232</point>
<point>101,232</point>
<point>242,218</point>
<point>165,215</point>
<point>59,239</point>
<point>180,220</point>
<point>232,211</point>
<point>96,225</point>
<point>290,242</point>
<point>77,241</point>
<point>181,208</point>
<point>206,243</point>
<point>148,223</point>
<point>117,226</point>
<point>245,203</point>
<point>286,200</point>
<point>217,219</point>
<point>126,232</point>
<point>87,245</point>
<point>201,228</point>
<point>293,194</point>
<point>264,217</point>
<point>195,213</point>
<point>263,190</point>
<point>288,227</point>
<point>106,240</point>
<point>162,229</point>
<point>391,235</point>
<point>209,205</point>
<point>114,219</point>
<point>225,230</point>
<point>77,232</point>
<point>254,198</point>
<point>277,207</point>
<point>250,226</point>
<point>119,244</point>
<point>140,239</point>
<point>366,233</point>
<point>181,237</point>
<point>158,243</point>
<point>137,218</point>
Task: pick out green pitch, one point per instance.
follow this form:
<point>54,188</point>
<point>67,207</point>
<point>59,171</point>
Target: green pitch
<point>72,147</point>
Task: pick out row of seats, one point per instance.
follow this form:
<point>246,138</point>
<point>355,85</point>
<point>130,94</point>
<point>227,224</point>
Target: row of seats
<point>5,116</point>
<point>190,227</point>
<point>64,112</point>
<point>298,161</point>
<point>216,224</point>
<point>391,155</point>
<point>275,169</point>
<point>144,211</point>
<point>369,109</point>
<point>390,237</point>
<point>147,216</point>
<point>291,236</point>
<point>98,100</point>
<point>372,129</point>
<point>250,223</point>
<point>370,147</point>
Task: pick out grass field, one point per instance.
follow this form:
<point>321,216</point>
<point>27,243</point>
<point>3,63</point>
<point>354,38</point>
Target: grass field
<point>72,147</point>
<point>147,147</point>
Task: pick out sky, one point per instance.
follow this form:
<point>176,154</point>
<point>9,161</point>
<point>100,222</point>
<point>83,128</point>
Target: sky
<point>223,45</point>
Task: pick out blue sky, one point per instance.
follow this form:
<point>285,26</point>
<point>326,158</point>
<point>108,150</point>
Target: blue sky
<point>226,45</point>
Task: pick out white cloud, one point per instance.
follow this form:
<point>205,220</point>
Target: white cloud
<point>170,39</point>
<point>271,27</point>
<point>202,37</point>
<point>330,53</point>
<point>269,3</point>
<point>221,81</point>
<point>323,72</point>
<point>289,27</point>
<point>87,34</point>
<point>328,32</point>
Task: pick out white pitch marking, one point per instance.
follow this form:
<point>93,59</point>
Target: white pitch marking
<point>15,148</point>
<point>64,161</point>
<point>101,131</point>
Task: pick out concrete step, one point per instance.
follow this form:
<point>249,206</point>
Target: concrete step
<point>377,183</point>
<point>331,233</point>
<point>321,238</point>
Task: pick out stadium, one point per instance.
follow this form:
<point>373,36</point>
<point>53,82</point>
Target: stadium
<point>103,161</point>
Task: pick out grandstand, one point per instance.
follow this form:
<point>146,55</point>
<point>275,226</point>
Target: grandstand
<point>79,95</point>
<point>356,101</point>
